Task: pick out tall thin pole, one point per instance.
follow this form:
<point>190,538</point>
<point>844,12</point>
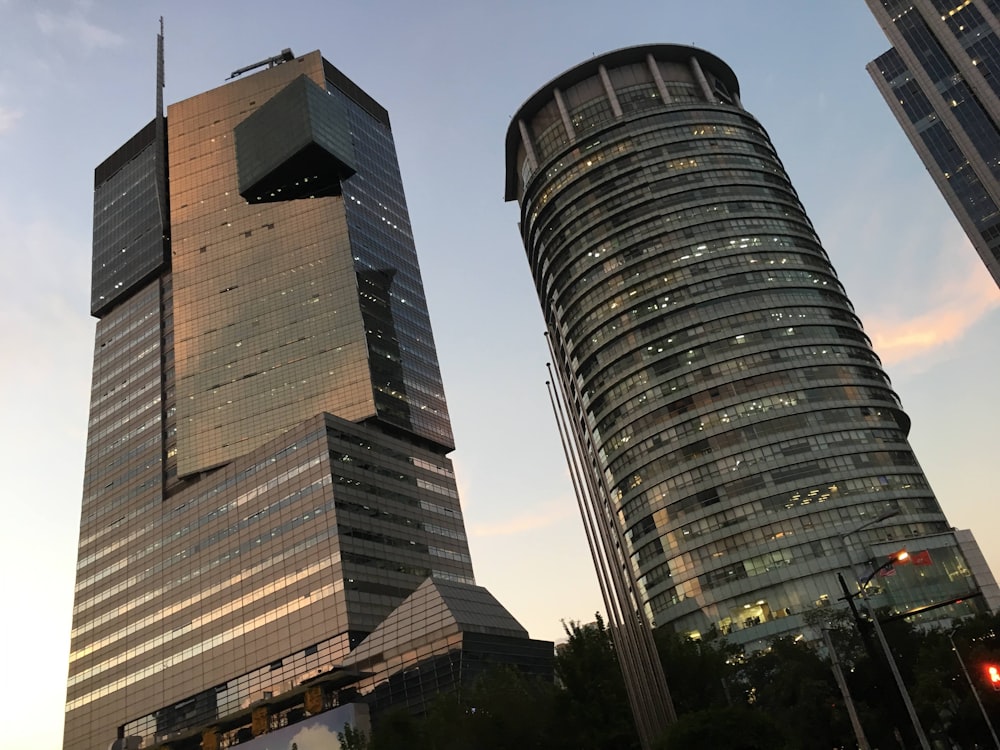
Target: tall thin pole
<point>972,687</point>
<point>838,673</point>
<point>649,695</point>
<point>865,636</point>
<point>904,693</point>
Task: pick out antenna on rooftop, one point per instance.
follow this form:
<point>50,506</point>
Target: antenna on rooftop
<point>285,56</point>
<point>159,71</point>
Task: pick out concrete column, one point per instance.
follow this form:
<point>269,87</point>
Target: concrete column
<point>658,78</point>
<point>610,91</point>
<point>210,739</point>
<point>314,700</point>
<point>259,721</point>
<point>699,76</point>
<point>567,123</point>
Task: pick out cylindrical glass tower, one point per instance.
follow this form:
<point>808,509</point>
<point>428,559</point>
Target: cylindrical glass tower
<point>734,417</point>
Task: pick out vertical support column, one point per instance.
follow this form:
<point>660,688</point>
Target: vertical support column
<point>529,147</point>
<point>699,76</point>
<point>567,123</point>
<point>610,91</point>
<point>259,721</point>
<point>210,739</point>
<point>314,700</point>
<point>654,69</point>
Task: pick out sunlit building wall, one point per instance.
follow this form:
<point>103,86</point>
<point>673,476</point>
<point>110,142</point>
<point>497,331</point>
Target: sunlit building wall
<point>941,79</point>
<point>734,420</point>
<point>267,474</point>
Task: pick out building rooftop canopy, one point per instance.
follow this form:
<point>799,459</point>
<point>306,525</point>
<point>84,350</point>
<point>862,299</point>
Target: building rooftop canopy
<point>616,58</point>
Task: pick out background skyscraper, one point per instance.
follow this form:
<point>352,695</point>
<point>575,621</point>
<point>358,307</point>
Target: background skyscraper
<point>734,421</point>
<point>941,79</point>
<point>266,473</point>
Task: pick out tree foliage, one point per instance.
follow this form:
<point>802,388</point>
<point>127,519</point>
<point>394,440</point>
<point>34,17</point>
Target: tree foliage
<point>780,698</point>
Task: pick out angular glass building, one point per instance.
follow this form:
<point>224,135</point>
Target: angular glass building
<point>733,423</point>
<point>941,79</point>
<point>266,475</point>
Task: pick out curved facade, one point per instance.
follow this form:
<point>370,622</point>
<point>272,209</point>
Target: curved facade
<point>735,419</point>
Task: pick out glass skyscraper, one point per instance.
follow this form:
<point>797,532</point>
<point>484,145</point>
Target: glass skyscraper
<point>941,79</point>
<point>732,422</point>
<point>266,474</point>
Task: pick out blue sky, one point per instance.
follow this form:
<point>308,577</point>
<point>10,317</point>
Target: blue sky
<point>77,79</point>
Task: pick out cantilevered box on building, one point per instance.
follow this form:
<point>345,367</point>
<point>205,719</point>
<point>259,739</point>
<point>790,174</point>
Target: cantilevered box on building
<point>296,145</point>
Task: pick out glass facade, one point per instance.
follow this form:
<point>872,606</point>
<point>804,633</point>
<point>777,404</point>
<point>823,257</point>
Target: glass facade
<point>940,81</point>
<point>406,378</point>
<point>735,421</point>
<point>440,639</point>
<point>129,222</point>
<point>266,474</point>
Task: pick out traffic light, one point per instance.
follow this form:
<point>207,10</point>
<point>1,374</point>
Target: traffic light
<point>994,674</point>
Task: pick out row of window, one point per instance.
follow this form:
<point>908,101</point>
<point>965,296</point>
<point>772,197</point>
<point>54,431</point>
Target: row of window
<point>733,452</point>
<point>617,270</point>
<point>746,362</point>
<point>770,379</point>
<point>240,630</point>
<point>658,495</point>
<point>647,281</point>
<point>213,595</point>
<point>773,430</point>
<point>676,364</point>
<point>659,559</point>
<point>200,544</point>
<point>655,339</point>
<point>644,176</point>
<point>765,563</point>
<point>684,246</point>
<point>667,521</point>
<point>663,126</point>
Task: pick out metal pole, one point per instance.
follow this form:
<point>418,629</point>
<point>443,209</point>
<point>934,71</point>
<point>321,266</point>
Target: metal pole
<point>838,673</point>
<point>866,638</point>
<point>904,693</point>
<point>972,687</point>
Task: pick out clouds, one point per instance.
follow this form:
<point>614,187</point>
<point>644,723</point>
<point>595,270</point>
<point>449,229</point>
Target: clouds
<point>73,27</point>
<point>920,329</point>
<point>316,738</point>
<point>8,119</point>
<point>958,305</point>
<point>524,522</point>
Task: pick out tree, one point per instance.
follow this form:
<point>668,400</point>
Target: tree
<point>733,728</point>
<point>698,672</point>
<point>593,704</point>
<point>795,688</point>
<point>350,739</point>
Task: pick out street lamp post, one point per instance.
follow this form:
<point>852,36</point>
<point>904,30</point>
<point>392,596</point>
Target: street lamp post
<point>904,693</point>
<point>972,687</point>
<point>852,712</point>
<point>877,626</point>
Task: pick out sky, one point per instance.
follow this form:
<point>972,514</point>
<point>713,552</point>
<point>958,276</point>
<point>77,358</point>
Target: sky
<point>77,80</point>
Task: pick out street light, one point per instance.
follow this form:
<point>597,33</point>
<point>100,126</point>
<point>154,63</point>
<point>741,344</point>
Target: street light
<point>877,626</point>
<point>994,681</point>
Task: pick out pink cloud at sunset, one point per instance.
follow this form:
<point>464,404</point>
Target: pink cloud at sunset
<point>958,304</point>
<point>523,522</point>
